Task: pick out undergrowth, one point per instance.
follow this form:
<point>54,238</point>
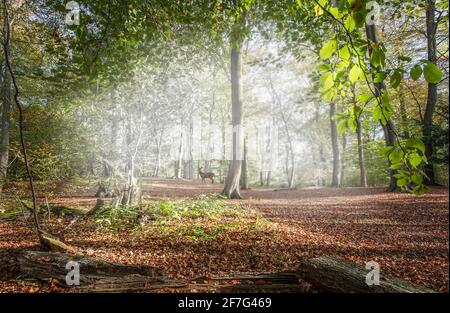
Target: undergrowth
<point>203,217</point>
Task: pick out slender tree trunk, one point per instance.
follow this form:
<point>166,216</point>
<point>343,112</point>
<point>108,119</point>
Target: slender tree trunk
<point>268,178</point>
<point>388,129</point>
<point>191,154</point>
<point>321,161</point>
<point>113,155</point>
<point>362,165</point>
<point>315,163</point>
<point>286,162</point>
<point>223,159</point>
<point>179,162</point>
<point>158,154</point>
<point>231,188</point>
<point>335,146</point>
<point>6,108</point>
<point>432,94</point>
<point>292,167</point>
<point>322,165</point>
<point>209,151</point>
<point>244,172</point>
<point>158,161</point>
<point>6,50</point>
<point>344,146</point>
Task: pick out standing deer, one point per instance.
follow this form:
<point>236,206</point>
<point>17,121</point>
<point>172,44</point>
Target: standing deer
<point>204,175</point>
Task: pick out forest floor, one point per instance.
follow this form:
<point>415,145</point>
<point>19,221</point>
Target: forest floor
<point>407,235</point>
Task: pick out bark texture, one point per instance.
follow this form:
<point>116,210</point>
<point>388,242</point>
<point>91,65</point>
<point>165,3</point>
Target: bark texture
<point>329,274</point>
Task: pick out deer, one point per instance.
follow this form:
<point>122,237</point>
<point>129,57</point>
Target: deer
<point>204,175</point>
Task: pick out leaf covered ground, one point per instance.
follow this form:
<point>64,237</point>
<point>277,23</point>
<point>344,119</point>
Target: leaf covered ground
<point>188,231</point>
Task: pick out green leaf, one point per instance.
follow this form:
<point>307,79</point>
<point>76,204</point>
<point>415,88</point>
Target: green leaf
<point>323,68</point>
<point>396,166</point>
<point>432,73</point>
<point>404,58</point>
<point>416,72</point>
<point>350,24</point>
<point>415,143</point>
<point>342,65</point>
<point>355,73</point>
<point>396,156</point>
<point>383,110</point>
<point>330,95</point>
<point>396,78</point>
<point>326,81</point>
<point>328,49</point>
<point>415,159</point>
<point>377,57</point>
<point>380,77</point>
<point>385,151</point>
<point>377,114</point>
<point>417,178</point>
<point>365,97</point>
<point>344,53</point>
<point>342,126</point>
<point>402,182</point>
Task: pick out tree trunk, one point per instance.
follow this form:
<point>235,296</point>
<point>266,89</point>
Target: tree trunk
<point>321,161</point>
<point>113,155</point>
<point>335,146</point>
<point>268,179</point>
<point>6,108</point>
<point>290,164</point>
<point>244,172</point>
<point>191,154</point>
<point>388,129</point>
<point>158,155</point>
<point>432,94</point>
<point>361,162</point>
<point>231,188</point>
<point>209,152</point>
<point>344,146</point>
<point>322,165</point>
<point>178,163</point>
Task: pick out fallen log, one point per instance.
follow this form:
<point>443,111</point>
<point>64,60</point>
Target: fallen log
<point>323,274</point>
<point>51,267</point>
<point>328,274</point>
<point>97,275</point>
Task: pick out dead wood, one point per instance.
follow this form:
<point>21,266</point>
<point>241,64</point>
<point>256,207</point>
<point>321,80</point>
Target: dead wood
<point>330,274</point>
